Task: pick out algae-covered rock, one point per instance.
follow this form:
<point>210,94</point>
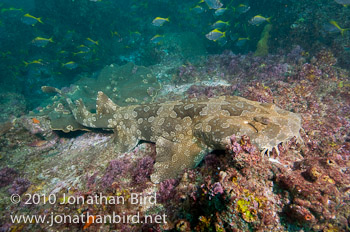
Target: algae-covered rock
<point>125,85</point>
<point>128,84</point>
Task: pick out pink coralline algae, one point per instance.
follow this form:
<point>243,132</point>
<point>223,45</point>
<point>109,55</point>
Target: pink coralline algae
<point>302,186</point>
<point>19,186</point>
<point>259,92</point>
<point>211,189</point>
<point>315,189</point>
<point>243,152</point>
<point>7,175</point>
<point>220,196</point>
<point>167,190</point>
<point>248,67</point>
<point>210,91</point>
<point>300,213</point>
<point>309,193</point>
<point>233,147</point>
<point>247,145</point>
<point>143,170</point>
<point>114,171</point>
<point>217,189</point>
<point>91,181</point>
<point>310,72</point>
<point>186,72</point>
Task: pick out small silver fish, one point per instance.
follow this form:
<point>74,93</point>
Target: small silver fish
<point>333,27</point>
<point>157,39</point>
<point>90,42</point>
<point>214,4</point>
<point>83,48</point>
<point>343,2</point>
<point>241,41</point>
<point>41,42</point>
<point>197,9</point>
<point>70,65</point>
<point>30,19</point>
<point>158,21</point>
<point>242,8</point>
<point>220,11</point>
<point>215,35</point>
<point>258,19</point>
<point>220,24</point>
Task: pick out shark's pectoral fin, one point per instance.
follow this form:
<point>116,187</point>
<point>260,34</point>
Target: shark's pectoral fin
<point>103,118</point>
<point>174,157</point>
<point>81,114</point>
<point>124,141</point>
<point>65,122</point>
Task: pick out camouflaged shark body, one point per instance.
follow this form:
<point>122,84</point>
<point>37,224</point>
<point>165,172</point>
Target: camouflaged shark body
<point>185,131</point>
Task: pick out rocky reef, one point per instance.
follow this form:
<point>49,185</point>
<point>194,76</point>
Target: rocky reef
<point>302,185</point>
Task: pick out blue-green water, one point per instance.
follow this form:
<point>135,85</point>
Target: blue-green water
<point>87,35</point>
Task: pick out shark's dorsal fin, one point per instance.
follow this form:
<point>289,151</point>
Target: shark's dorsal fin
<point>104,105</point>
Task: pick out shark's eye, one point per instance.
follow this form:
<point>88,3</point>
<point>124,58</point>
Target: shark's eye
<point>262,120</point>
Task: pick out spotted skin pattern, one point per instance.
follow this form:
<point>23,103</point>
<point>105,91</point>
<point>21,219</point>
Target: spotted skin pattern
<point>185,131</point>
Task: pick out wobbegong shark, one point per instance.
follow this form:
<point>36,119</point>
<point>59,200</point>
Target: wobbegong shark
<point>185,131</point>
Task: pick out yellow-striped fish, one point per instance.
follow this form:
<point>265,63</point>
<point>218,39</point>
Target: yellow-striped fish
<point>213,4</point>
<point>220,11</point>
<point>158,21</point>
<point>39,61</point>
<point>70,65</point>
<point>30,19</point>
<point>90,42</point>
<point>258,19</point>
<point>341,30</point>
<point>343,2</point>
<point>220,24</point>
<point>241,41</point>
<point>157,39</point>
<point>215,35</point>
<point>41,42</point>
